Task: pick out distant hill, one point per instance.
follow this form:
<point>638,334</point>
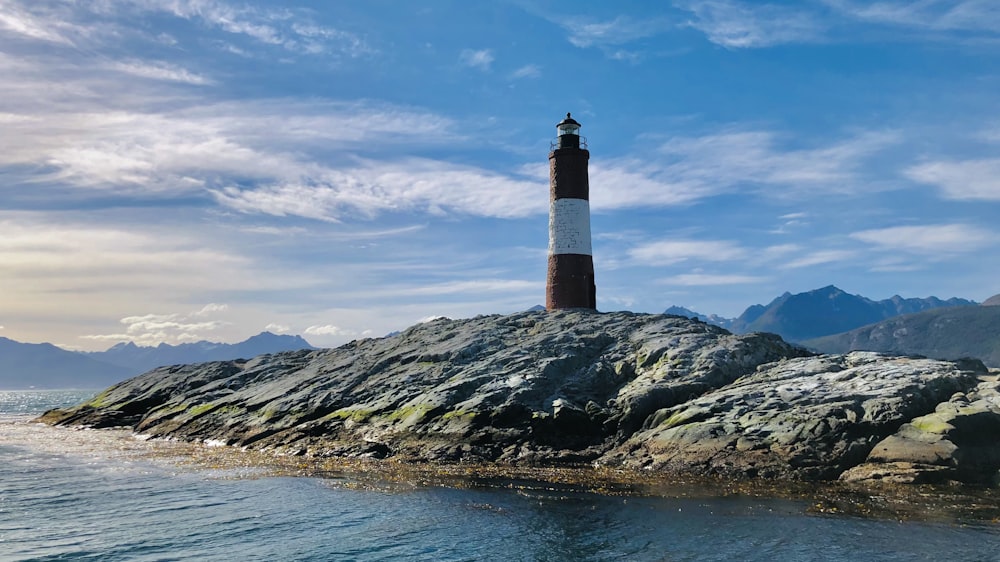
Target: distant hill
<point>943,333</point>
<point>829,310</point>
<point>43,365</point>
<point>715,319</point>
<point>141,359</point>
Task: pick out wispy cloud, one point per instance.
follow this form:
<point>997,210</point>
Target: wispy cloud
<point>373,188</point>
<point>287,28</point>
<point>820,257</point>
<point>736,24</point>
<point>620,30</point>
<point>527,71</point>
<point>481,59</point>
<point>328,330</point>
<point>706,279</point>
<point>477,286</point>
<point>664,252</point>
<point>697,167</point>
<point>942,15</point>
<point>292,30</point>
<point>30,249</point>
<point>931,240</point>
<point>40,24</point>
<point>159,71</point>
<point>686,169</point>
<point>962,180</point>
<point>211,147</point>
<point>152,329</point>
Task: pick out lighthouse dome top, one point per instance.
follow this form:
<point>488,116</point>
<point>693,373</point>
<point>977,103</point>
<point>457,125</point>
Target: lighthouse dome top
<point>568,126</point>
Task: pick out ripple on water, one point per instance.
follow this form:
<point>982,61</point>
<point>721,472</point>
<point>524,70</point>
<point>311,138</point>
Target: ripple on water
<point>105,495</point>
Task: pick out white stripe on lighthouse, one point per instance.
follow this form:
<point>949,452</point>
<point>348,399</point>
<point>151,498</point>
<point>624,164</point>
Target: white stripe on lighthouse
<point>569,227</point>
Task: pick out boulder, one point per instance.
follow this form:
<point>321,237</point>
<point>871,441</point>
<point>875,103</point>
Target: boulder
<point>958,442</point>
<point>800,418</point>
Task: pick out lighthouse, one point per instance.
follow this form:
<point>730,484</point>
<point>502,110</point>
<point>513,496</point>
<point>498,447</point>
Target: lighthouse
<point>570,280</point>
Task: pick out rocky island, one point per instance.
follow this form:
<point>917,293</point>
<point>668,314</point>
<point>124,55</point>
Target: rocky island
<point>656,393</point>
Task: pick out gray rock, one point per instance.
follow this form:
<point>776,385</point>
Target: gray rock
<point>566,387</point>
<point>803,418</point>
<point>522,388</point>
<point>958,441</point>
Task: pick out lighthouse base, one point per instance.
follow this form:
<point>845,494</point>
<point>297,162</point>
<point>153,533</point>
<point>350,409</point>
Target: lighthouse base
<point>570,282</point>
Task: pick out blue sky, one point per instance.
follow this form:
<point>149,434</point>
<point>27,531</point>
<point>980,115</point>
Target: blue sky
<point>178,170</point>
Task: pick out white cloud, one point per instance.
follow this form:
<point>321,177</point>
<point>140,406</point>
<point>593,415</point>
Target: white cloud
<point>328,330</point>
<point>666,252</point>
<point>481,59</point>
<point>285,27</point>
<point>527,71</point>
<point>46,26</point>
<point>620,30</point>
<point>159,71</point>
<point>290,29</point>
<point>820,257</point>
<point>372,188</point>
<point>704,279</point>
<point>932,240</point>
<point>629,183</point>
<point>211,308</point>
<point>277,328</point>
<point>310,164</point>
<point>174,328</point>
<point>474,287</point>
<point>202,147</point>
<point>962,180</point>
<point>898,264</point>
<point>735,24</point>
<point>736,156</point>
<point>778,251</point>
<point>944,15</point>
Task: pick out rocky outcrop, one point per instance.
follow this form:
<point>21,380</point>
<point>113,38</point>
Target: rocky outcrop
<point>958,441</point>
<point>542,388</point>
<point>807,418</point>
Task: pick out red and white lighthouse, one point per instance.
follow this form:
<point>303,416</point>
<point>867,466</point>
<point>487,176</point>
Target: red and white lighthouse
<point>570,282</point>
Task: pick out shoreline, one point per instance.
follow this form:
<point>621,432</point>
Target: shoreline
<point>954,504</point>
<point>946,504</point>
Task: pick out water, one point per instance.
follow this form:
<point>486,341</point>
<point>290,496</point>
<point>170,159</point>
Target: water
<point>99,495</point>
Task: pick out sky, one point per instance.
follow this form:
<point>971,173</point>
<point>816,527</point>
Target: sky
<point>183,170</point>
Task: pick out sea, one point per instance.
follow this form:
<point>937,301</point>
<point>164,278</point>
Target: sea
<point>70,494</point>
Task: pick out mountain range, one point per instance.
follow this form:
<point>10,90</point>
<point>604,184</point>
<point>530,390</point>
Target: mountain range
<point>138,359</point>
<point>826,319</point>
<point>45,366</point>
<point>942,333</point>
<point>820,312</point>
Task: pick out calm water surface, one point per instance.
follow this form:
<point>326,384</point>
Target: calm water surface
<point>92,495</point>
